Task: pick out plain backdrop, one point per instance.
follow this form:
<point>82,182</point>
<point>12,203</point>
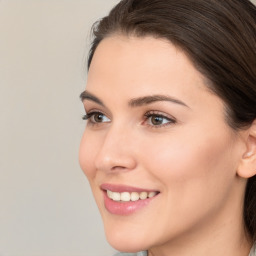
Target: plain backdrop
<point>47,208</point>
<point>46,205</point>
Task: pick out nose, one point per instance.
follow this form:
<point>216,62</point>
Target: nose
<point>116,152</point>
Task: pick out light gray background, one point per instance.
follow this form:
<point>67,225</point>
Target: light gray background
<point>46,205</point>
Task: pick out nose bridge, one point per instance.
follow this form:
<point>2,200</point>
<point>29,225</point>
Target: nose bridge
<point>116,151</point>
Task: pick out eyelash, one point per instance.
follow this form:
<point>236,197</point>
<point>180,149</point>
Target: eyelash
<point>147,116</point>
<point>88,116</point>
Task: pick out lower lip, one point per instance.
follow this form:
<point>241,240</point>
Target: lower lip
<point>125,208</point>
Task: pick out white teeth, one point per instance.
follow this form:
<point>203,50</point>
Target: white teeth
<point>143,195</point>
<point>126,196</point>
<point>109,193</point>
<point>135,196</point>
<point>116,196</point>
<point>151,194</point>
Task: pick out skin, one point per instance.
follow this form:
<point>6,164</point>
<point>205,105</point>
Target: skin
<point>192,161</point>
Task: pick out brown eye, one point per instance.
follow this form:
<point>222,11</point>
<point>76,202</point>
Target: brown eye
<point>96,117</point>
<point>156,120</point>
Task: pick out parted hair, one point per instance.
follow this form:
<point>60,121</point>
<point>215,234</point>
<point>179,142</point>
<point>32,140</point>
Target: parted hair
<point>218,36</point>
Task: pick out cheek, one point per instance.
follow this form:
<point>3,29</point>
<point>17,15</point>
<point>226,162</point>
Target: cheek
<point>195,175</point>
<point>183,161</point>
<point>87,154</point>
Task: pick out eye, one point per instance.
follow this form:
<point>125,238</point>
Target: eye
<point>158,120</point>
<point>96,117</point>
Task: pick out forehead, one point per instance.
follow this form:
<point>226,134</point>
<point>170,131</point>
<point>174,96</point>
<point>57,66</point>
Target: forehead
<point>140,66</point>
<point>133,59</point>
<point>135,51</point>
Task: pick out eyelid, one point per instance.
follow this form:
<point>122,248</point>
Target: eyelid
<point>160,113</point>
<point>90,106</point>
<point>95,110</point>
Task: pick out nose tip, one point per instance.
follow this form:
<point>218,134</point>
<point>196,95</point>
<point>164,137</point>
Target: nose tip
<point>109,161</point>
<point>116,154</point>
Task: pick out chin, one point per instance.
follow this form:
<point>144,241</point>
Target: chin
<point>127,240</point>
<point>129,244</point>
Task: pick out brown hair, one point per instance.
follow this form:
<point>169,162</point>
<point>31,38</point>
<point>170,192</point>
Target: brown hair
<point>219,36</point>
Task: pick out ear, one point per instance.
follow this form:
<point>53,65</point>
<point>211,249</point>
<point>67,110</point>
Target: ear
<point>247,166</point>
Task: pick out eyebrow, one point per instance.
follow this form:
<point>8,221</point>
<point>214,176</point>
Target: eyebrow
<point>136,102</point>
<point>141,101</point>
<point>85,95</point>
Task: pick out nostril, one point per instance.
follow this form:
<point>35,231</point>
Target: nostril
<point>118,168</point>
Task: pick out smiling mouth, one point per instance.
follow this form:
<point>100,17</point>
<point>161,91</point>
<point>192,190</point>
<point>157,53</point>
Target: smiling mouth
<point>130,196</point>
<point>125,200</point>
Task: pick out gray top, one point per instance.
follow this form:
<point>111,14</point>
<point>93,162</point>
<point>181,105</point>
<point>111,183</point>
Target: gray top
<point>144,253</point>
<point>253,250</point>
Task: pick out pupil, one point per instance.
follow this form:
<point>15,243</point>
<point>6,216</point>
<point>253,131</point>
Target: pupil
<point>157,120</point>
<point>98,118</point>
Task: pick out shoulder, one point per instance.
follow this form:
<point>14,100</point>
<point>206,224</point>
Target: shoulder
<point>144,253</point>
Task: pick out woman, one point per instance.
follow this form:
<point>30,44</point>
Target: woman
<point>170,143</point>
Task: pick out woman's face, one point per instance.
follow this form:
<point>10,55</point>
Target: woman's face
<point>155,131</point>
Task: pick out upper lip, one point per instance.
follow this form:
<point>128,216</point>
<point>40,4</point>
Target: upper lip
<point>124,188</point>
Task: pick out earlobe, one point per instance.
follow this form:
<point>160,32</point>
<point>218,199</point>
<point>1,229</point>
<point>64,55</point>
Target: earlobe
<point>247,166</point>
